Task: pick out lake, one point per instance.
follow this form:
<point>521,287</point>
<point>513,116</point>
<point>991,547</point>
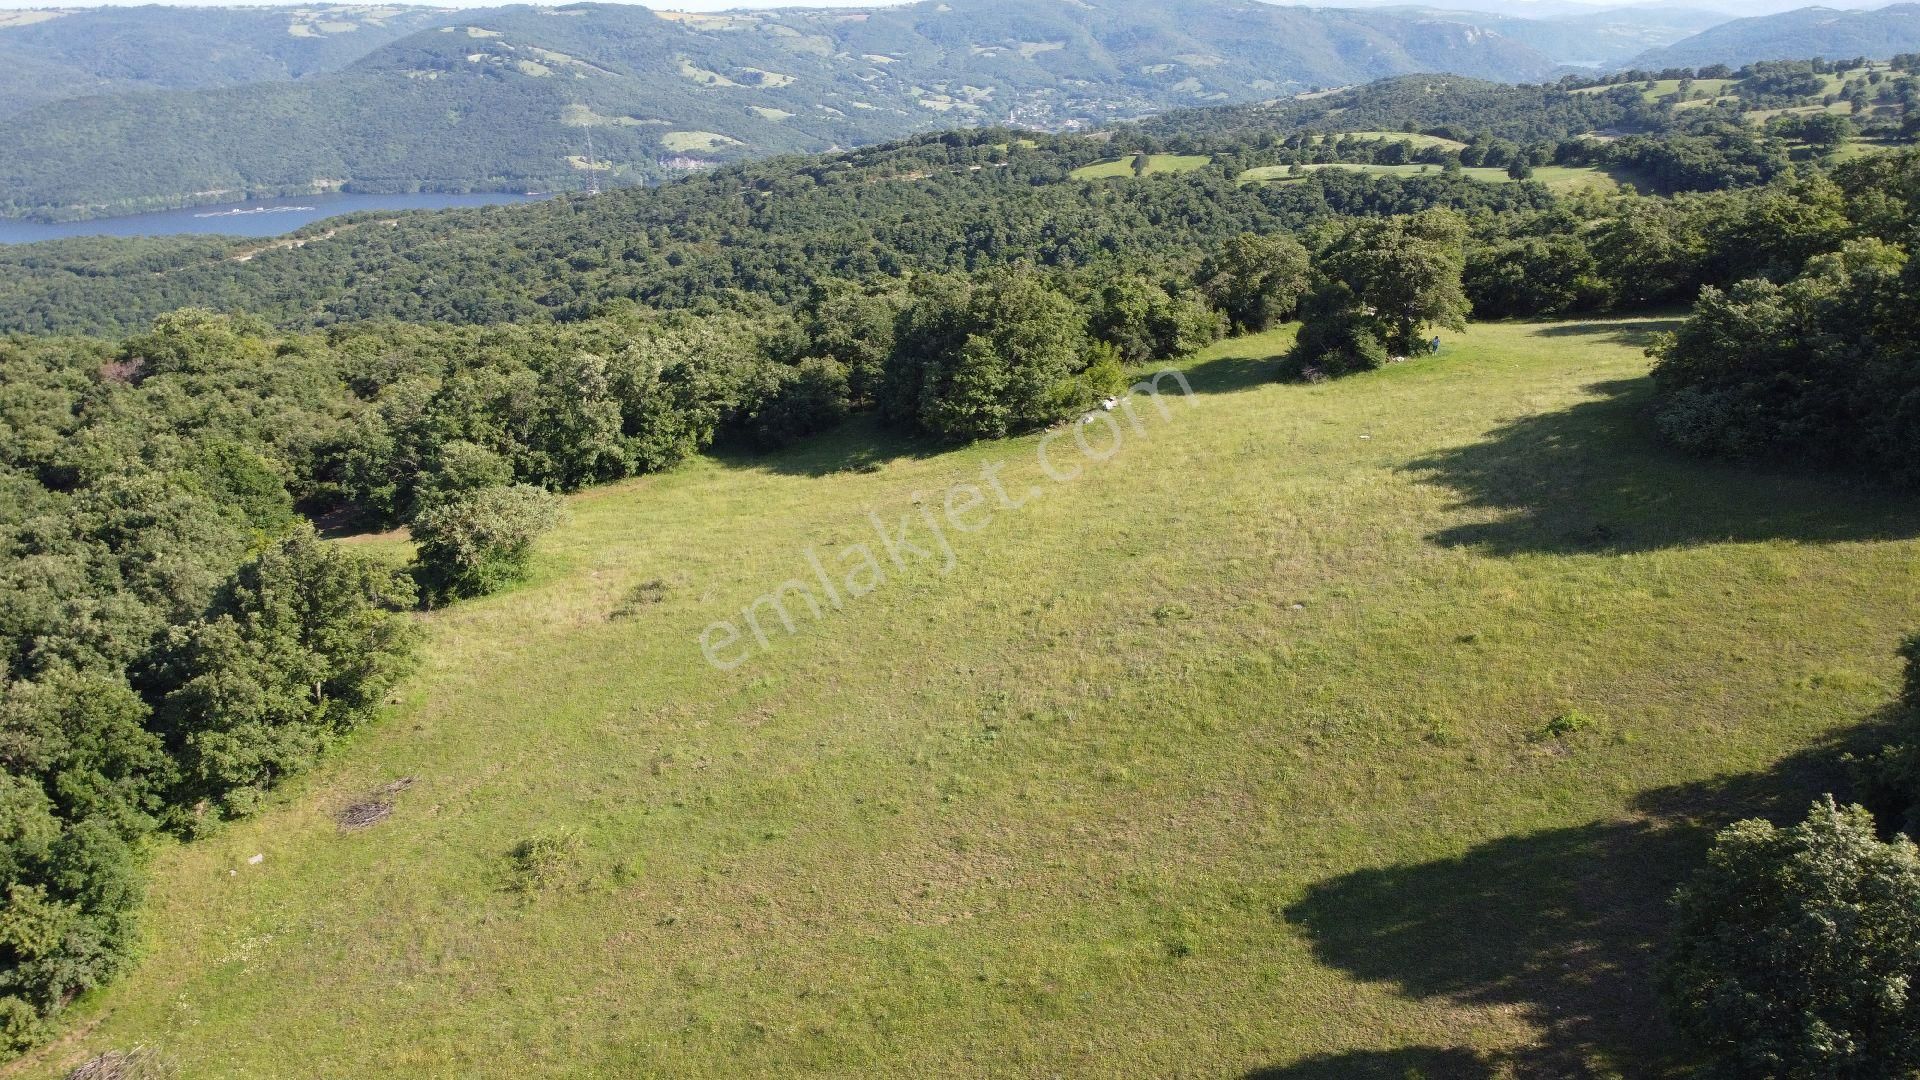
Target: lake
<point>259,217</point>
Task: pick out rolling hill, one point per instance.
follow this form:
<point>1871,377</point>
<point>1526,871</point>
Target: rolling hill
<point>53,54</point>
<point>1807,32</point>
<point>1584,37</point>
<point>500,99</point>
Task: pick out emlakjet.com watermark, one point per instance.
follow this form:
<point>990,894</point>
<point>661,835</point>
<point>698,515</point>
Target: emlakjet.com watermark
<point>922,537</point>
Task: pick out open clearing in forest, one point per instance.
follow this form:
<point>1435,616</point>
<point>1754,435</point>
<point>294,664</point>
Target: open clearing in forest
<point>1337,729</point>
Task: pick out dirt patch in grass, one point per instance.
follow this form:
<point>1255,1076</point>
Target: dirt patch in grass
<point>138,1063</point>
<point>373,809</point>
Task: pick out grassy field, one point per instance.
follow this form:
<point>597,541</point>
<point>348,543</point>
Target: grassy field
<point>1418,141</point>
<point>1668,87</point>
<point>1329,731</point>
<point>1559,178</point>
<point>1156,163</point>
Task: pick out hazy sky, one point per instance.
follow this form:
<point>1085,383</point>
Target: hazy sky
<point>670,5</point>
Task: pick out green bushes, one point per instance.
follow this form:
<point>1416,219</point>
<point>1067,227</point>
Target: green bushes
<point>980,358</point>
<point>1256,281</point>
<point>478,542</point>
<point>1889,779</point>
<point>1820,371</point>
<point>1796,949</point>
<point>1379,285</point>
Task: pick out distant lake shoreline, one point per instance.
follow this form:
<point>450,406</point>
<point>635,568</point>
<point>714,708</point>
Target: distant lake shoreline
<point>257,217</point>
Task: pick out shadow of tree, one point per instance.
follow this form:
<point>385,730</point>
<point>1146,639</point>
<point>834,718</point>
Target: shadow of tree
<point>1565,926</point>
<point>1414,1063</point>
<point>1594,478</point>
<point>1638,333</point>
<point>862,444</point>
<point>1232,374</point>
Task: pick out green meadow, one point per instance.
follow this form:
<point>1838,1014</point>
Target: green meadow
<point>1560,178</point>
<point>1348,729</point>
<point>1156,164</point>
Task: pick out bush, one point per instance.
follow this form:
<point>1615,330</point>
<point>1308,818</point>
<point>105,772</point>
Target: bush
<point>1256,280</point>
<point>1816,372</point>
<point>784,404</point>
<point>482,541</point>
<point>459,469</point>
<point>302,648</point>
<point>1795,950</point>
<point>983,358</point>
<point>1889,780</point>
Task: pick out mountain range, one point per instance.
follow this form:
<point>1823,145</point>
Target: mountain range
<point>115,110</point>
<point>1814,31</point>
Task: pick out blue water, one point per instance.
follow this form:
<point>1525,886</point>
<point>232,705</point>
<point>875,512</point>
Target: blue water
<point>263,217</point>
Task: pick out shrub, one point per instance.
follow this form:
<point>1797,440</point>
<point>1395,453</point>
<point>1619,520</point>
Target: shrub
<point>302,648</point>
<point>1337,337</point>
<point>482,541</point>
<point>1795,950</point>
<point>1889,780</point>
<point>1819,371</point>
<point>982,358</point>
<point>461,468</point>
<point>1256,280</point>
<point>786,403</point>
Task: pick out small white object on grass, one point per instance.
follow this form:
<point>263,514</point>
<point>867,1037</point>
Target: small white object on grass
<point>256,860</point>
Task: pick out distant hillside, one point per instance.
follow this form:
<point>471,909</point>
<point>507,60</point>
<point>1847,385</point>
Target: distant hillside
<point>1794,35</point>
<point>50,55</point>
<point>1587,38</point>
<point>501,98</point>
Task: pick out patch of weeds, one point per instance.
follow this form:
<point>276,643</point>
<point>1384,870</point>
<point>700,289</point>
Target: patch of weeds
<point>1568,723</point>
<point>545,861</point>
<point>640,597</point>
<point>1172,611</point>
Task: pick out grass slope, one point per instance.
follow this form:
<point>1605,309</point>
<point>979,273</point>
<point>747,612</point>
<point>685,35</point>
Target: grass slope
<point>1156,163</point>
<point>1245,730</point>
<point>1560,178</point>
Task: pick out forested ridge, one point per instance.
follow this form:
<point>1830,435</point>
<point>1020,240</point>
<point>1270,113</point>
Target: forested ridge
<point>770,231</point>
<point>179,640</point>
<point>502,97</point>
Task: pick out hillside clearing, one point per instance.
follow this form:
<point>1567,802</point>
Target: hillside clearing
<point>1156,164</point>
<point>1248,729</point>
<point>1559,178</point>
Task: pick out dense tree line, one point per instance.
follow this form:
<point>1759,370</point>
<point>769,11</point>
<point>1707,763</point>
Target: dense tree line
<point>1812,356</point>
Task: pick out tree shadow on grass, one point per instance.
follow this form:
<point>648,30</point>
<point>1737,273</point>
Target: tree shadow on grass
<point>1595,478</point>
<point>1232,374</point>
<point>1565,926</point>
<point>1636,333</point>
<point>1423,1062</point>
<point>862,444</point>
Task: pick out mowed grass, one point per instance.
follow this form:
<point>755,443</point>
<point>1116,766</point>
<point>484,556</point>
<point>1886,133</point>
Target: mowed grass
<point>1561,178</point>
<point>1156,164</point>
<point>1235,752</point>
